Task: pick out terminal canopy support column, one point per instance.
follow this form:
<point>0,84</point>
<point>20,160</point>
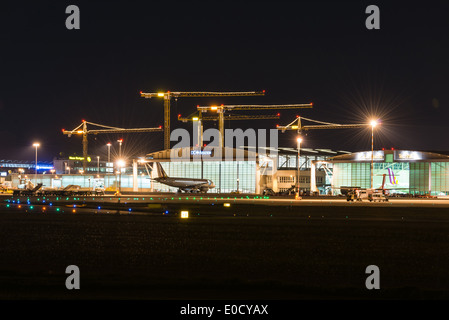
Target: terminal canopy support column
<point>313,187</point>
<point>135,185</point>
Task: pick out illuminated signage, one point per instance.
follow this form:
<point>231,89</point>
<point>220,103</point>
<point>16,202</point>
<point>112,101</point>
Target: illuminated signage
<point>365,156</point>
<point>80,158</point>
<point>44,167</point>
<point>409,155</point>
<point>201,152</point>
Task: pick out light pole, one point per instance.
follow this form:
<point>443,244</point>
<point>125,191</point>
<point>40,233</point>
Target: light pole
<point>373,124</point>
<point>109,151</point>
<point>299,140</point>
<point>120,148</point>
<point>98,164</point>
<point>35,145</point>
<point>120,165</point>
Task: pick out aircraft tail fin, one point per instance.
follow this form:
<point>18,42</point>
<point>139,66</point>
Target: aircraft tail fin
<point>161,171</point>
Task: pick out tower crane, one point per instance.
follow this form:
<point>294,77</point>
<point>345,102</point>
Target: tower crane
<point>223,108</point>
<point>198,116</point>
<point>82,130</point>
<point>296,125</point>
<point>168,95</point>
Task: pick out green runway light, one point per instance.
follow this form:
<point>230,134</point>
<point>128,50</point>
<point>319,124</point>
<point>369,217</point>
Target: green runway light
<point>31,207</point>
<point>7,206</point>
<point>57,209</point>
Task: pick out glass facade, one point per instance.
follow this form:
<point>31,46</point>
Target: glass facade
<point>227,176</point>
<point>400,177</point>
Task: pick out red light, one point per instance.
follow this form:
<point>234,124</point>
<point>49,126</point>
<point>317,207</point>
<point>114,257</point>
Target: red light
<point>179,115</point>
<point>277,125</point>
<point>279,114</point>
<point>63,130</point>
<point>140,92</point>
<point>160,127</point>
<point>204,145</point>
<point>311,103</point>
<point>83,120</point>
<point>263,91</point>
<point>297,116</point>
<point>383,148</point>
<point>392,148</point>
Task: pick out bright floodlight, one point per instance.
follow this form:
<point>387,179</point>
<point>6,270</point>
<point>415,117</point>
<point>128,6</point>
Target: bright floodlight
<point>36,144</point>
<point>299,140</point>
<point>373,123</point>
<point>121,163</point>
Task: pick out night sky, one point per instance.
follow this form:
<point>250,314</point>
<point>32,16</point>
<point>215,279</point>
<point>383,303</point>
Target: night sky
<point>299,52</point>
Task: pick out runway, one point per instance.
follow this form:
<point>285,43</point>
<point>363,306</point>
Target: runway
<point>136,201</point>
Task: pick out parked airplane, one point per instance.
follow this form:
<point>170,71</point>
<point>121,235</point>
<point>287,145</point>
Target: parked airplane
<point>371,194</point>
<point>183,184</point>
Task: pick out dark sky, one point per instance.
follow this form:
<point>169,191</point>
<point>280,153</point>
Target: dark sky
<point>312,51</point>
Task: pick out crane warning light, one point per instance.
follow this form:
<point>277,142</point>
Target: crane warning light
<point>297,116</point>
<point>278,114</point>
<point>179,115</point>
<point>63,130</point>
<point>160,127</point>
<point>263,91</point>
<point>311,103</point>
<point>83,120</point>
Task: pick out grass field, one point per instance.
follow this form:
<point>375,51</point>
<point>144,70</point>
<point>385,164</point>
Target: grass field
<point>249,252</point>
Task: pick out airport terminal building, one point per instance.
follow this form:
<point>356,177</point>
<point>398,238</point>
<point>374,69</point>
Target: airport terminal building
<point>247,171</point>
<point>406,172</point>
<point>321,171</point>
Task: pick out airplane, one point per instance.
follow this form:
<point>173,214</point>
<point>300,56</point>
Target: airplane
<point>183,184</point>
<point>370,194</point>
